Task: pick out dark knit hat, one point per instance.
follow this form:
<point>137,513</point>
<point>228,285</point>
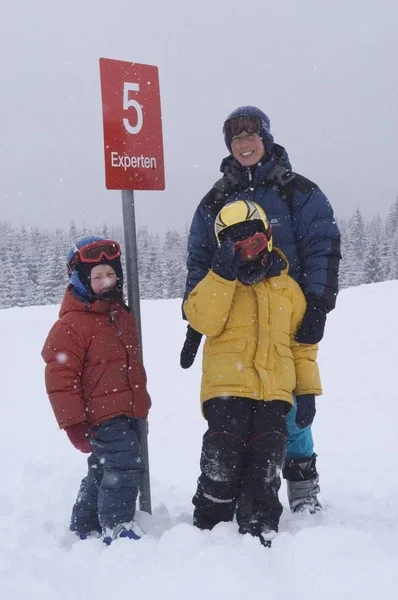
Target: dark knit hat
<point>251,111</point>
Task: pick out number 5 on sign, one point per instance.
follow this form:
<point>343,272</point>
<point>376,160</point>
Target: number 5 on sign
<point>133,141</point>
<point>127,103</point>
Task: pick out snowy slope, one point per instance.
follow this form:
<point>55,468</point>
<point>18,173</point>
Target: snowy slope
<point>349,551</point>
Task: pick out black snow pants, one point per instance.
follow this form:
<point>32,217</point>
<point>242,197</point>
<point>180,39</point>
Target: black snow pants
<point>243,453</point>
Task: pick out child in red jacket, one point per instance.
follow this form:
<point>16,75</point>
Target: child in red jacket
<point>96,384</point>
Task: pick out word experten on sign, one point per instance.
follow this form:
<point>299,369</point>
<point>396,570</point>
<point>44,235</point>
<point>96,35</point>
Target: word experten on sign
<point>140,162</point>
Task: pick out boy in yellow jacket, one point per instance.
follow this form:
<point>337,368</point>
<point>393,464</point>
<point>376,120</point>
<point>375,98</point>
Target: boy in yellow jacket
<point>249,309</point>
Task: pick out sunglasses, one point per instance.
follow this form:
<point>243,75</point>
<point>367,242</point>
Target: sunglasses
<point>236,126</point>
<point>95,251</point>
<point>252,246</point>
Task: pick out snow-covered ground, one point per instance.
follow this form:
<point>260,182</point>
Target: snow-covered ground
<point>349,551</point>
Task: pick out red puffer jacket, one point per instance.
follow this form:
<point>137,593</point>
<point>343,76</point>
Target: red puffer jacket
<point>93,370</point>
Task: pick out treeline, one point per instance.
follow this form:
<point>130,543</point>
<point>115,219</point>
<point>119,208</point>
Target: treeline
<point>369,248</point>
<point>34,269</point>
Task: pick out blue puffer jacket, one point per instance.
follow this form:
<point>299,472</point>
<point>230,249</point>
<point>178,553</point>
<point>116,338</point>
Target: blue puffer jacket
<point>301,217</point>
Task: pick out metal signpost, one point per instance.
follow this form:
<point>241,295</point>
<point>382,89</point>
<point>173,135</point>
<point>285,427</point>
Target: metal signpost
<point>133,145</point>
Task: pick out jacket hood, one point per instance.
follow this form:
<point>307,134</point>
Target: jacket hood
<point>280,265</point>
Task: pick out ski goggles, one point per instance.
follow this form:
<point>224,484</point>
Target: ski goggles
<point>252,246</point>
<point>237,125</point>
<point>96,251</point>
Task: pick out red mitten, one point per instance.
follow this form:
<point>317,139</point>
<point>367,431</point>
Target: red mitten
<point>78,436</point>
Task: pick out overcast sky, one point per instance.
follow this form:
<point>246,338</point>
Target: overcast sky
<point>325,72</point>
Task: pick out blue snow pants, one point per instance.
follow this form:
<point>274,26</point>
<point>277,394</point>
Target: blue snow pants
<point>108,494</point>
<point>299,441</point>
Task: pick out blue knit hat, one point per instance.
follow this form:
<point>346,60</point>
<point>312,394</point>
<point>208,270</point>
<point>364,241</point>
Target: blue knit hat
<point>251,111</point>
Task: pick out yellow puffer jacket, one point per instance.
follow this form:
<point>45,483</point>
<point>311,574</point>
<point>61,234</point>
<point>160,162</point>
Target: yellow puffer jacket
<point>250,349</point>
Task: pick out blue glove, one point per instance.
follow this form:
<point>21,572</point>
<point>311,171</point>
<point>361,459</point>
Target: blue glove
<point>312,326</point>
<point>305,410</point>
<point>226,261</point>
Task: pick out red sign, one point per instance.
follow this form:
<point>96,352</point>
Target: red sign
<point>133,139</point>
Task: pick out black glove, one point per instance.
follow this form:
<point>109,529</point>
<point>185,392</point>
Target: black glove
<point>226,261</point>
<point>312,326</point>
<point>190,347</point>
<point>305,410</point>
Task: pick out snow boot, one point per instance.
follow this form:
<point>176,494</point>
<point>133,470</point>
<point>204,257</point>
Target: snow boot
<point>302,482</point>
<point>90,535</point>
<point>266,537</point>
<point>131,531</point>
<point>264,534</point>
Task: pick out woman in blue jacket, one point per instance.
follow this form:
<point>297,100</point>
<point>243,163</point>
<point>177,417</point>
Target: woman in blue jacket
<point>304,228</point>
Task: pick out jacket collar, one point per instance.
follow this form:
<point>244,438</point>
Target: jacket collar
<point>277,265</point>
<point>73,302</point>
<point>259,174</point>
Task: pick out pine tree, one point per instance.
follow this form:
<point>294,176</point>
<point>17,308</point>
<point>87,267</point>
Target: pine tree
<point>7,270</point>
<point>393,255</point>
<point>354,245</point>
<point>22,293</point>
<point>344,269</point>
<point>173,269</point>
<point>144,261</point>
<point>392,220</point>
<point>35,251</point>
<point>73,234</point>
<point>53,278</point>
<point>373,252</point>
